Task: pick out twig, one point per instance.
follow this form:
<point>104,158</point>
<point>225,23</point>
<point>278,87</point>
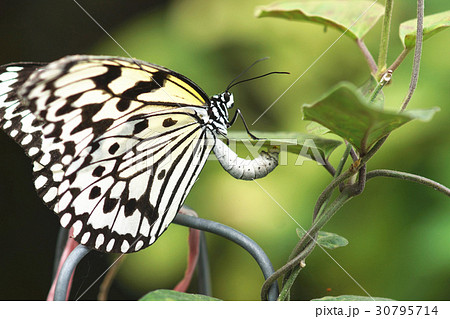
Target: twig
<point>343,160</point>
<point>286,288</point>
<point>367,55</point>
<point>329,189</point>
<point>329,167</point>
<point>308,241</point>
<point>384,43</point>
<point>399,59</point>
<point>409,177</point>
<point>109,278</point>
<point>417,55</point>
<point>193,252</point>
<point>353,155</point>
<point>338,172</point>
<point>286,268</point>
<point>358,188</point>
<point>287,285</point>
<point>373,150</point>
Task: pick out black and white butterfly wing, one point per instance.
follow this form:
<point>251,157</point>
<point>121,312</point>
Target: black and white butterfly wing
<point>16,119</point>
<point>121,145</point>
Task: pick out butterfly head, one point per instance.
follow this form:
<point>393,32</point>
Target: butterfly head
<point>227,99</point>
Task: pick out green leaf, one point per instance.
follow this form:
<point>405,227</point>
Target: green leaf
<point>293,142</point>
<point>340,15</point>
<point>327,240</point>
<point>347,113</point>
<point>316,129</point>
<point>171,295</point>
<point>351,298</point>
<point>432,24</point>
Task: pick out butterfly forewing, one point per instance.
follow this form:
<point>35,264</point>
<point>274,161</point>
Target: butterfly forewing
<point>121,144</point>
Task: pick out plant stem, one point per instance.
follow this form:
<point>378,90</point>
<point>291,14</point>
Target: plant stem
<point>298,247</point>
<point>373,150</point>
<point>109,278</point>
<point>417,54</point>
<point>293,273</point>
<point>308,238</point>
<point>300,252</point>
<point>409,177</point>
<point>338,172</point>
<point>344,158</point>
<point>326,193</point>
<point>385,79</point>
<point>353,154</point>
<point>329,167</point>
<point>399,59</point>
<point>285,291</point>
<point>367,55</point>
<point>384,43</point>
<point>358,188</point>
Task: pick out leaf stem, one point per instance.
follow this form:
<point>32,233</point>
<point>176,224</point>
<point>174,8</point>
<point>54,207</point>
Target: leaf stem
<point>409,177</point>
<point>353,153</point>
<point>329,167</point>
<point>343,160</point>
<point>384,43</point>
<point>367,55</point>
<point>385,79</point>
<point>417,54</point>
<point>399,59</point>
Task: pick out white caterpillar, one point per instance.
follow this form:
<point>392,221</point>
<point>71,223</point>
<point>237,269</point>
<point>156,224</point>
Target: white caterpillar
<point>246,169</point>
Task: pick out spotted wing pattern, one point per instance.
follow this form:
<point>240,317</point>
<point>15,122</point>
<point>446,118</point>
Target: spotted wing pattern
<point>15,118</point>
<point>117,144</point>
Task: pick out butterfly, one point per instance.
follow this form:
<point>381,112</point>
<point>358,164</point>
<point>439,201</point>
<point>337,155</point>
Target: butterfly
<point>117,143</point>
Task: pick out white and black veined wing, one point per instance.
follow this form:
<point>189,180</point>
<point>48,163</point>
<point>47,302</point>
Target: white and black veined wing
<point>117,144</point>
<point>16,119</point>
<point>121,144</point>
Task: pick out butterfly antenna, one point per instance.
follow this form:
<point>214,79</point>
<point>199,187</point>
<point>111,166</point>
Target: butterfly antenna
<point>243,72</point>
<point>256,77</point>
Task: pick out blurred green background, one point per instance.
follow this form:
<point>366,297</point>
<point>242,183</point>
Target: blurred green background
<point>399,232</point>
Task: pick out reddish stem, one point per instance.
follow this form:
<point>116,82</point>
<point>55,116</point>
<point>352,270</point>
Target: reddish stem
<point>194,245</point>
<point>70,245</point>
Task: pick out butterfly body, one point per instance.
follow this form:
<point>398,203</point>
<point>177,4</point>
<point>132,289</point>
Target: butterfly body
<point>117,144</point>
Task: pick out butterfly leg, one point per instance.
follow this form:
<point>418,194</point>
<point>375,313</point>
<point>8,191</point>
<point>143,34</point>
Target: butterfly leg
<point>226,138</point>
<point>233,120</point>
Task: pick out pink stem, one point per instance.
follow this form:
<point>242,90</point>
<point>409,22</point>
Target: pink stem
<point>70,245</point>
<point>194,243</point>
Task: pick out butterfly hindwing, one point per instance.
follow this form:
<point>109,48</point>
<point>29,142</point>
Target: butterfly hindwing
<point>15,117</point>
<point>121,144</point>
